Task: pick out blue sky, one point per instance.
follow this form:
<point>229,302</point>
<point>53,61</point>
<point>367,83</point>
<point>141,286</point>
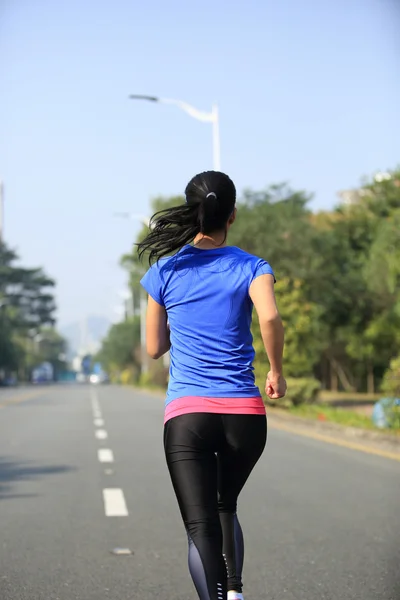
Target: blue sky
<point>309,92</point>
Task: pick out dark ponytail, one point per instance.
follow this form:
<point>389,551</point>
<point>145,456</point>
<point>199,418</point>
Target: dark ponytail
<point>210,201</point>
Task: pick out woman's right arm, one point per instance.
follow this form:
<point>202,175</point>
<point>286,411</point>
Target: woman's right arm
<point>262,294</point>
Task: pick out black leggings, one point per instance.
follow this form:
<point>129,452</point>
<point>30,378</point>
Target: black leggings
<point>210,457</point>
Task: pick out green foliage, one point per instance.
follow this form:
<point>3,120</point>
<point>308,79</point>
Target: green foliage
<point>26,305</point>
<point>11,353</point>
<point>275,225</point>
<point>299,391</point>
<point>24,292</point>
<point>304,337</point>
<point>391,379</point>
<point>50,347</point>
<point>146,380</point>
<point>119,348</point>
<point>356,283</point>
<point>341,416</point>
<point>129,376</point>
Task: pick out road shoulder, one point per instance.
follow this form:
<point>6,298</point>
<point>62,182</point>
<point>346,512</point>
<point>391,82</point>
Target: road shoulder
<point>354,438</point>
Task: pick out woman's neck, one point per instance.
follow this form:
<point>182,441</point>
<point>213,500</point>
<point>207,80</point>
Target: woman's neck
<point>208,242</point>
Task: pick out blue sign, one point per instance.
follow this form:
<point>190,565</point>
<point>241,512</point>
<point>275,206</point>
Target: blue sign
<point>86,364</point>
<point>97,369</point>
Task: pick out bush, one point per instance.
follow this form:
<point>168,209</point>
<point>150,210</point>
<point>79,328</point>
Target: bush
<point>299,391</point>
<point>387,410</point>
<point>129,376</point>
<point>146,380</point>
<point>156,376</point>
<point>391,379</point>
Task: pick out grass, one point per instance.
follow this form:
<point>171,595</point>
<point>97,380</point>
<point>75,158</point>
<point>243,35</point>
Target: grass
<point>341,416</point>
<point>330,397</point>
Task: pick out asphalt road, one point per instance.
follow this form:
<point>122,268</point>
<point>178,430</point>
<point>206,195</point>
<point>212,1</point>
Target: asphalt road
<point>321,522</point>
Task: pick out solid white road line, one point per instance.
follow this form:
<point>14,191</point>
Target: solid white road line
<point>114,503</point>
<point>105,455</point>
<point>99,422</point>
<point>101,434</point>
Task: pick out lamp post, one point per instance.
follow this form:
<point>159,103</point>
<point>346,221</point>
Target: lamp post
<point>127,215</point>
<point>199,115</point>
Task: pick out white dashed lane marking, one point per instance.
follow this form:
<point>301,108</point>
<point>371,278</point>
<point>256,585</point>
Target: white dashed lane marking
<point>113,498</point>
<point>105,455</point>
<point>114,503</point>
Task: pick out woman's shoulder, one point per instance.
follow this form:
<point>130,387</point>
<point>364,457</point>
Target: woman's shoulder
<point>245,256</point>
<point>251,264</point>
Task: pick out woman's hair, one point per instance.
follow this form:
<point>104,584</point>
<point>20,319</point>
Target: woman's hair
<point>210,201</point>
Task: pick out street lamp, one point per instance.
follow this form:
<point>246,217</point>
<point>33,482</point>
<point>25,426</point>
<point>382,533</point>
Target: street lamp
<point>205,117</point>
<point>127,215</point>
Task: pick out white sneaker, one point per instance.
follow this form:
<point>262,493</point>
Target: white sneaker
<point>235,596</point>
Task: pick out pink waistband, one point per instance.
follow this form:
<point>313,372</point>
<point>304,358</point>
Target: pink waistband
<point>203,404</point>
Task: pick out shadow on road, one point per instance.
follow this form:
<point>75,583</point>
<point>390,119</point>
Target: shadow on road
<point>12,471</point>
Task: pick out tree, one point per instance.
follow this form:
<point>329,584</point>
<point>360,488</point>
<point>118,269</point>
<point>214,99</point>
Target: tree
<point>304,330</point>
<point>50,347</point>
<point>275,225</point>
<point>119,348</point>
<point>10,352</point>
<point>25,306</point>
<point>357,284</point>
<point>26,290</point>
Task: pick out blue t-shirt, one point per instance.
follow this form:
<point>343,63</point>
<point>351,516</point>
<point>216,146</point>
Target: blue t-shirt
<point>206,296</point>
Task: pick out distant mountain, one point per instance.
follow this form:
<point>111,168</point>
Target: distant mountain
<point>85,335</point>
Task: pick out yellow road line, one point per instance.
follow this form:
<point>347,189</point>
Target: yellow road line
<point>22,397</point>
<point>331,440</point>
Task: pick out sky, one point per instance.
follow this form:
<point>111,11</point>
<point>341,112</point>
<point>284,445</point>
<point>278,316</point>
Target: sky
<point>308,93</point>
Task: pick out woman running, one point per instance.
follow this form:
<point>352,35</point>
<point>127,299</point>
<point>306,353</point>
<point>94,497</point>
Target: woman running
<point>200,308</point>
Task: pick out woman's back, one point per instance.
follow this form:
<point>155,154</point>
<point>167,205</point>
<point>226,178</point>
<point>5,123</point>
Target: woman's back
<point>200,308</point>
<point>206,296</point>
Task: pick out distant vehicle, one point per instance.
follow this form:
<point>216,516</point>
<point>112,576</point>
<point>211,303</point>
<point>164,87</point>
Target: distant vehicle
<point>8,381</point>
<point>98,378</point>
<point>81,378</point>
<point>44,373</point>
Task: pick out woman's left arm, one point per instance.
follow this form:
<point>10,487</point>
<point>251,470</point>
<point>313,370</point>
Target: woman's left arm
<point>157,329</point>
